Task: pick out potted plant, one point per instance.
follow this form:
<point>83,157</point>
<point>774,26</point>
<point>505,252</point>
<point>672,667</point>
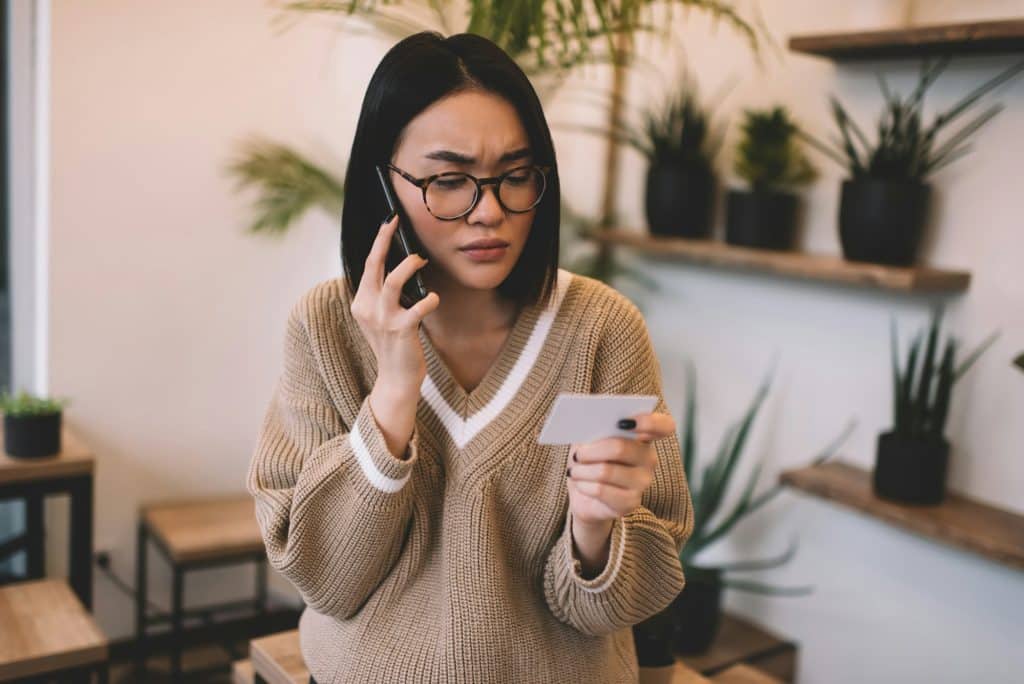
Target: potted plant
<point>912,457</point>
<point>677,140</point>
<point>769,159</point>
<point>31,424</point>
<point>1019,361</point>
<point>884,201</point>
<point>690,623</point>
<point>680,183</point>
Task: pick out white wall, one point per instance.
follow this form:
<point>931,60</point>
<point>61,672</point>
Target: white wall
<point>167,320</point>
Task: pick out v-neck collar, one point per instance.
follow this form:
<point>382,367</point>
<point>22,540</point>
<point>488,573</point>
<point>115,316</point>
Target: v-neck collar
<point>465,414</point>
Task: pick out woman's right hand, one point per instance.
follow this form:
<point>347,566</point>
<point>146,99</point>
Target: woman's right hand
<point>391,329</point>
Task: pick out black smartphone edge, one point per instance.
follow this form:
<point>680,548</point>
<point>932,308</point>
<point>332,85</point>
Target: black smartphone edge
<point>405,245</point>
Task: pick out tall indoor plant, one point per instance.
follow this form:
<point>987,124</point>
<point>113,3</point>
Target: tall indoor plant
<point>913,455</point>
<point>884,201</point>
<point>690,624</point>
<point>769,159</point>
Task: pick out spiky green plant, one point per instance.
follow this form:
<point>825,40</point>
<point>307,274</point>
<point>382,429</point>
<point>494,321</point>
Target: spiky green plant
<point>711,523</point>
<point>676,131</point>
<point>905,148</point>
<point>25,403</point>
<point>768,155</point>
<point>923,387</point>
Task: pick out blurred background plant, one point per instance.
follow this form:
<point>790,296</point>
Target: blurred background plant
<point>711,522</point>
<point>768,155</point>
<point>906,149</point>
<point>923,387</point>
<point>25,403</point>
<point>550,40</point>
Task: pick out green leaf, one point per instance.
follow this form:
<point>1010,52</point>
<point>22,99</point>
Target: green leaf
<point>972,357</point>
<point>1019,361</point>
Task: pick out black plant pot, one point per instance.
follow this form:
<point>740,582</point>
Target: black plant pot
<point>760,218</point>
<point>911,470</point>
<point>653,640</point>
<point>32,436</point>
<point>882,221</point>
<point>697,611</point>
<point>678,199</point>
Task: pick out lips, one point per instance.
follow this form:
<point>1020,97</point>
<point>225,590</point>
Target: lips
<point>484,244</point>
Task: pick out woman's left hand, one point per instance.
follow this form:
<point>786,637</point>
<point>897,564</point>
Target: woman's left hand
<point>608,476</point>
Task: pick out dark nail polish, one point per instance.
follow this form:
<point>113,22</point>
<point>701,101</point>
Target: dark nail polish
<point>627,423</point>
<point>568,472</point>
<point>574,457</point>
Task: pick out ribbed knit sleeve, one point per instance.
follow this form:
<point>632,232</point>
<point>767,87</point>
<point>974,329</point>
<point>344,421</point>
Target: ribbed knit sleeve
<point>643,573</point>
<point>333,504</point>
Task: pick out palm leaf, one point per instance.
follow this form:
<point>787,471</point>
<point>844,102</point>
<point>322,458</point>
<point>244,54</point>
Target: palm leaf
<point>287,184</point>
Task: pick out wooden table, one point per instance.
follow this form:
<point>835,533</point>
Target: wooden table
<point>46,630</point>
<point>33,479</point>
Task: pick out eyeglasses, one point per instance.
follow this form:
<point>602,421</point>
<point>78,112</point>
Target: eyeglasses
<point>453,194</point>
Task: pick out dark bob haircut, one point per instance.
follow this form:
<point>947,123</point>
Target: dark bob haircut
<point>416,72</point>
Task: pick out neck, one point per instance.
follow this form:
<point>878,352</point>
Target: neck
<point>466,312</point>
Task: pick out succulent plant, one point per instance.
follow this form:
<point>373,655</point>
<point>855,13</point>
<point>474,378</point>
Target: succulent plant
<point>906,149</point>
<point>768,155</point>
<point>923,387</point>
<point>25,403</point>
<point>715,480</point>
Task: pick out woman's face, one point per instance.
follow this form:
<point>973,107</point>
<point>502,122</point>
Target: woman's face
<point>469,131</point>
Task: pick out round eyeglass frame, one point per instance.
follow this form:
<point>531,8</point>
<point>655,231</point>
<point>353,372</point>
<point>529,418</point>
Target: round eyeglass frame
<point>422,184</point>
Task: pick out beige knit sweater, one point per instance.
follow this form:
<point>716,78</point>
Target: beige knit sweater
<point>457,564</point>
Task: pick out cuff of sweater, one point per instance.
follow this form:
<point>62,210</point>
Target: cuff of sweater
<point>382,471</point>
<point>611,568</point>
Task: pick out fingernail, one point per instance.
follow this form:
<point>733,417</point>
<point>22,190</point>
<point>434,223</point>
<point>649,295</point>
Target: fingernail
<point>389,217</point>
<point>627,423</point>
<point>574,457</point>
<point>568,472</point>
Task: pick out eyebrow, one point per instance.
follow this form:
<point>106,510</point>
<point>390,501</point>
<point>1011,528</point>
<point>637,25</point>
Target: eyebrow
<point>457,158</point>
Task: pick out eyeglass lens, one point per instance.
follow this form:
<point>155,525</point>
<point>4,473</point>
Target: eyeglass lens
<point>452,195</point>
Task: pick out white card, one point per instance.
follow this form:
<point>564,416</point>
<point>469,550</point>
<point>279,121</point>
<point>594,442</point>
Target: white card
<point>579,418</point>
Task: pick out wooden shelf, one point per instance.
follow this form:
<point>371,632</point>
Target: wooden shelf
<point>989,37</point>
<point>816,267</point>
<point>988,531</point>
<point>743,642</point>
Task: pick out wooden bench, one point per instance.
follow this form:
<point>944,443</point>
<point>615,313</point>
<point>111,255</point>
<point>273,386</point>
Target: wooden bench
<point>46,631</point>
<point>193,534</point>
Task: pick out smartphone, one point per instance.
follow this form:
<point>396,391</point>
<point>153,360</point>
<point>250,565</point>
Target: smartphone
<point>403,243</point>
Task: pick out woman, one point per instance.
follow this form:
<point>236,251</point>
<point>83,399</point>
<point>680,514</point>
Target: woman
<point>397,477</point>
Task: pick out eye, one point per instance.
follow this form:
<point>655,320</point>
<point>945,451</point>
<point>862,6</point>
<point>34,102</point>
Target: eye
<point>450,182</point>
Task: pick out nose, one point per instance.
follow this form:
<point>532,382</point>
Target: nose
<point>488,209</point>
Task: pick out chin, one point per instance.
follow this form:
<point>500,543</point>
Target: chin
<point>483,276</point>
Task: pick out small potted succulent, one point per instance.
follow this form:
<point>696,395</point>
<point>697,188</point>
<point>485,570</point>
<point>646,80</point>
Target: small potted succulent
<point>770,160</point>
<point>911,459</point>
<point>884,202</point>
<point>689,625</point>
<point>680,185</point>
<point>677,140</point>
<point>31,424</point>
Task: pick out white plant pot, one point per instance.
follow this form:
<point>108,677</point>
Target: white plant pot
<point>877,15</point>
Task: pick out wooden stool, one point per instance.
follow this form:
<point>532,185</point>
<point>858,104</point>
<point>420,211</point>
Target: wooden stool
<point>194,534</point>
<point>48,633</point>
<point>277,659</point>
